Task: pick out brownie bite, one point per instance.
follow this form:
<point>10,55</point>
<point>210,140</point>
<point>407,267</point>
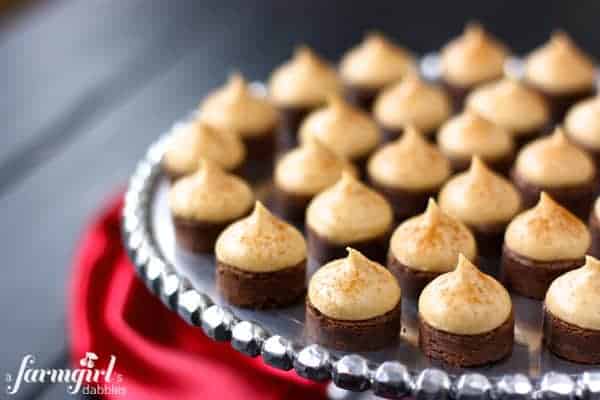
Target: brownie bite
<point>572,314</point>
<point>353,304</point>
<point>301,174</point>
<point>426,246</point>
<point>561,72</point>
<point>466,318</point>
<point>372,65</point>
<point>514,106</point>
<point>261,261</point>
<point>195,139</point>
<point>345,128</point>
<point>238,108</point>
<point>541,244</point>
<point>556,166</point>
<point>483,200</point>
<point>408,172</point>
<point>471,59</point>
<point>298,87</point>
<point>582,126</point>
<point>412,101</point>
<point>348,214</point>
<point>204,203</point>
<point>470,134</point>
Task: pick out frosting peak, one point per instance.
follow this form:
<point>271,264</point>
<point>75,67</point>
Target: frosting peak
<point>548,232</point>
<point>465,301</point>
<point>305,80</point>
<point>410,163</point>
<point>349,212</point>
<point>261,242</point>
<point>432,241</point>
<point>210,194</point>
<point>343,127</point>
<point>583,123</point>
<point>480,196</point>
<point>553,161</point>
<point>574,297</point>
<point>353,289</point>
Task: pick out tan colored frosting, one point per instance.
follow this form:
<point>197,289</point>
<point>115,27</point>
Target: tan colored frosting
<point>575,296</point>
<point>560,66</point>
<point>196,139</point>
<point>261,242</point>
<point>353,289</point>
<point>432,241</point>
<point>305,81</point>
<point>413,102</point>
<point>597,208</point>
<point>583,123</point>
<point>210,194</point>
<point>349,212</point>
<point>310,168</point>
<point>511,105</point>
<point>409,163</point>
<point>348,130</point>
<point>235,107</point>
<point>480,196</point>
<point>474,57</point>
<point>465,301</point>
<point>553,161</point>
<point>376,62</point>
<point>469,134</point>
<point>548,232</point>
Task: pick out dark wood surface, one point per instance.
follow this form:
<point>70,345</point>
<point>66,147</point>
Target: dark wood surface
<point>85,86</point>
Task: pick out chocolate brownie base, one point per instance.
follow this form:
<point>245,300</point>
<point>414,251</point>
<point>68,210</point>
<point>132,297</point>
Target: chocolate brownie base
<point>365,335</point>
<point>532,278</point>
<point>289,206</point>
<point>577,199</point>
<point>291,118</point>
<point>594,226</point>
<point>570,341</point>
<point>501,165</point>
<point>561,103</point>
<point>412,281</point>
<point>198,236</point>
<point>322,250</point>
<point>173,176</point>
<point>405,203</point>
<point>261,147</point>
<point>458,94</point>
<point>362,97</point>
<point>467,350</point>
<point>391,134</point>
<point>261,290</point>
<point>489,238</point>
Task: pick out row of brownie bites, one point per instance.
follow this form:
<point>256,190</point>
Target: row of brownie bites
<point>353,303</point>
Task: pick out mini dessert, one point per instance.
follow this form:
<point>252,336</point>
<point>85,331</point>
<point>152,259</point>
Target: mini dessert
<point>469,134</point>
<point>474,58</point>
<point>408,172</point>
<point>348,214</point>
<point>484,201</point>
<point>513,106</point>
<point>301,174</point>
<point>299,87</point>
<point>466,318</point>
<point>204,203</point>
<point>541,244</point>
<point>561,72</point>
<point>374,64</point>
<point>594,226</point>
<point>582,126</point>
<point>411,102</point>
<point>344,128</point>
<point>353,304</point>
<point>196,139</point>
<point>261,261</point>
<point>556,166</point>
<point>426,246</point>
<point>572,314</point>
<point>237,108</point>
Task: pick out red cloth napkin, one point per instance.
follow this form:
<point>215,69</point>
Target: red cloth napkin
<point>158,355</point>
